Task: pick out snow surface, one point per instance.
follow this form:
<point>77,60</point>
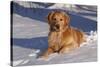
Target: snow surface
<point>30,33</point>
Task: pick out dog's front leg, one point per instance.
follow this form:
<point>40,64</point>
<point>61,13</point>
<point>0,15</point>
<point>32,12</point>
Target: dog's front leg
<point>47,53</point>
<point>66,48</point>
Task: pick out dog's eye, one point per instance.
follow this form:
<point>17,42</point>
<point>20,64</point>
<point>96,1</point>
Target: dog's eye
<point>54,18</point>
<point>61,19</point>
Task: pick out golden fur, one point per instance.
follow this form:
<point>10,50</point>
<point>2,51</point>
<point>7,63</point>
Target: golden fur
<point>62,38</point>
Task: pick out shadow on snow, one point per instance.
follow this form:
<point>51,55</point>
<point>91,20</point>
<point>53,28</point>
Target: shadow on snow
<point>40,14</point>
<point>33,43</point>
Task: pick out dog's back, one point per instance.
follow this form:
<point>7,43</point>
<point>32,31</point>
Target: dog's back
<point>78,36</point>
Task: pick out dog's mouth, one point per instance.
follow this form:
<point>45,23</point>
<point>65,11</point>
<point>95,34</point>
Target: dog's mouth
<point>55,28</point>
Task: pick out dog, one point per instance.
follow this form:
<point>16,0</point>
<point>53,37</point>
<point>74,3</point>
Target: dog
<point>62,38</point>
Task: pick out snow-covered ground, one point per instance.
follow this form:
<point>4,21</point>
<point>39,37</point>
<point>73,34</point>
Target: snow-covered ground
<point>30,34</point>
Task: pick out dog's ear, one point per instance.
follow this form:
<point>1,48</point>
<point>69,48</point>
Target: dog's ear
<point>67,19</point>
<point>49,17</point>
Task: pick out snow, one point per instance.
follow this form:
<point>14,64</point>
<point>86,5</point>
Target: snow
<point>30,34</point>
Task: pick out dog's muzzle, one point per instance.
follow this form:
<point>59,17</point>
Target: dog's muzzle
<point>55,27</point>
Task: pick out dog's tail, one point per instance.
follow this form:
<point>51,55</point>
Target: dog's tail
<point>82,38</point>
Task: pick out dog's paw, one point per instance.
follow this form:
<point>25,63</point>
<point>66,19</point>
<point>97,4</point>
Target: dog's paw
<point>64,51</point>
<point>45,58</point>
<point>48,58</point>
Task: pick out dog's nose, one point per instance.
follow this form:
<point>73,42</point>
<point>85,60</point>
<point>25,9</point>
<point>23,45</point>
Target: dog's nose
<point>57,26</point>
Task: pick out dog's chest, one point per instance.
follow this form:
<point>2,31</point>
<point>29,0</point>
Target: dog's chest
<point>55,39</point>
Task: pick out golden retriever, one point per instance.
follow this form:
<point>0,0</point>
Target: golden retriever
<point>62,38</point>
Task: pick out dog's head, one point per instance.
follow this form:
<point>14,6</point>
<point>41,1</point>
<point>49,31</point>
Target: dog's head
<point>58,20</point>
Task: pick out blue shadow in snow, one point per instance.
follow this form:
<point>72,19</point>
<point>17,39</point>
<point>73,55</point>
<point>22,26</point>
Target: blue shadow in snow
<point>87,9</point>
<point>88,14</point>
<point>33,13</point>
<point>33,43</point>
<point>40,14</point>
<point>84,24</point>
